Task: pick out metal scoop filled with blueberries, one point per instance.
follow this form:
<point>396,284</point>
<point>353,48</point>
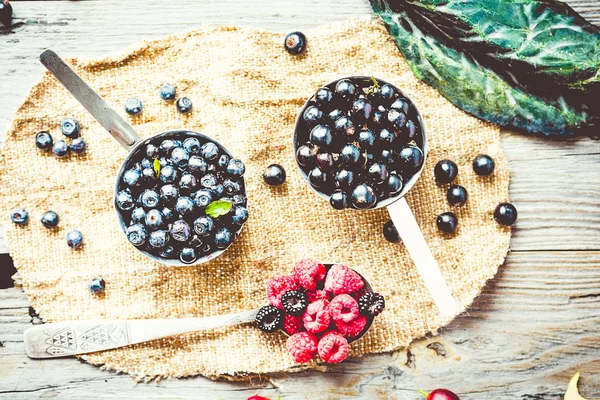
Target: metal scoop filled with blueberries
<point>360,143</point>
<point>180,195</point>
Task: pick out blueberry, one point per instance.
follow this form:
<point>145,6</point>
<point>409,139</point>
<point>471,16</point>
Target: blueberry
<point>208,181</point>
<point>388,157</point>
<point>163,161</point>
<point>394,184</point>
<point>167,146</point>
<point>390,232</point>
<point>505,214</point>
<point>78,146</point>
<point>60,149</point>
<point>196,242</point>
<point>231,187</point>
<point>223,162</point>
<point>321,136</point>
<point>236,167</point>
<point>168,174</point>
<point>50,219</point>
<point>218,190</point>
<point>378,118</point>
<point>70,128</point>
<point>306,155</point>
<point>386,137</point>
<point>377,173</point>
<point>445,171</point>
<point>323,96</point>
<point>197,164</point>
<point>159,239</point>
<point>184,105</point>
<point>180,231</point>
<point>168,214</point>
<point>202,198</point>
<point>184,205</point>
<point>74,239</point>
<point>334,115</point>
<point>447,222</point>
<point>295,43</point>
<point>191,145</point>
<point>325,161</point>
<point>132,177</point>
<point>351,156</point>
<point>167,91</point>
<point>344,179</point>
<point>239,199</point>
<point>345,89</point>
<point>124,200</point>
<point>274,175</point>
<point>188,182</point>
<point>97,285</point>
<point>154,219</point>
<point>149,199</point>
<point>366,139</point>
<point>148,174</point>
<point>151,151</point>
<point>312,115</point>
<point>396,118</point>
<point>457,195</point>
<point>318,178</point>
<point>188,255</point>
<point>239,215</point>
<point>400,105</point>
<point>410,158</point>
<point>167,252</point>
<point>361,110</point>
<point>137,234</point>
<point>344,127</point>
<point>43,140</point>
<point>19,216</point>
<point>338,200</point>
<point>133,106</point>
<point>180,157</point>
<point>169,193</point>
<point>363,196</point>
<point>387,92</point>
<point>483,165</point>
<point>138,215</point>
<point>204,225</point>
<point>223,238</point>
<point>210,151</point>
<point>411,130</point>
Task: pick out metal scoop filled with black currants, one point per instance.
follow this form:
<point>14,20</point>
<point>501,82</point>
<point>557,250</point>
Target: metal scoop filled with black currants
<point>180,195</point>
<point>360,143</point>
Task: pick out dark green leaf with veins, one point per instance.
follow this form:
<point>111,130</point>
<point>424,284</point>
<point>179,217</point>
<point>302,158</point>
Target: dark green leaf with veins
<point>531,64</point>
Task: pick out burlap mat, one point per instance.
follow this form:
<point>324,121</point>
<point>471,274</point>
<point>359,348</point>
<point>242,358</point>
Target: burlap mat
<point>246,92</point>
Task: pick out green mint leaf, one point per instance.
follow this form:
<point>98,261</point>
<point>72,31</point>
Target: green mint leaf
<point>218,208</point>
<point>156,166</point>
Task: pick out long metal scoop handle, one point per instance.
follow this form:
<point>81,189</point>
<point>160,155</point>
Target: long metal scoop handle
<point>84,94</point>
<point>70,338</point>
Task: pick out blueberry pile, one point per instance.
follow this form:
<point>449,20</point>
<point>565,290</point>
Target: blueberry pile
<point>71,129</point>
<point>181,197</point>
<point>359,141</point>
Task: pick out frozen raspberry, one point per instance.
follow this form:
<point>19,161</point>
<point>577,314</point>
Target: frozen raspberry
<point>292,324</point>
<point>258,398</point>
<point>341,279</point>
<point>353,328</point>
<point>317,295</point>
<point>333,347</point>
<point>302,346</point>
<point>343,308</point>
<point>308,273</point>
<point>277,286</point>
<point>316,317</point>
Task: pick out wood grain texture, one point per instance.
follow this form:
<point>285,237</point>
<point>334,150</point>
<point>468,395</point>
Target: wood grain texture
<point>534,325</point>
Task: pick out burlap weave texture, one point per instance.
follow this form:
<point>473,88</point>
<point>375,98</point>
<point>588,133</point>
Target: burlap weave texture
<point>246,93</point>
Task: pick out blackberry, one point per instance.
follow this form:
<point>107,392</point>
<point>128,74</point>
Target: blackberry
<point>294,302</point>
<point>371,304</point>
<point>269,319</point>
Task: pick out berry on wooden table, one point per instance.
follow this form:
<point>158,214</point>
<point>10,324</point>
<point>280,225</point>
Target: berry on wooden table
<point>19,216</point>
<point>440,394</point>
<point>295,43</point>
<point>505,214</point>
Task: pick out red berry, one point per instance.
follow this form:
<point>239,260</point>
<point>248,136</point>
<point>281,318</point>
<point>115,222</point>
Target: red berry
<point>333,347</point>
<point>258,398</point>
<point>308,273</point>
<point>343,308</point>
<point>442,394</point>
<point>317,317</point>
<point>277,286</point>
<point>317,295</point>
<point>292,324</point>
<point>353,328</point>
<point>341,279</point>
<point>302,346</point>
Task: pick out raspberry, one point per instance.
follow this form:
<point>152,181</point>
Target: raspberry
<point>277,286</point>
<point>317,318</point>
<point>371,304</point>
<point>302,346</point>
<point>317,295</point>
<point>353,328</point>
<point>294,302</point>
<point>333,347</point>
<point>343,308</point>
<point>308,273</point>
<point>342,279</point>
<point>269,318</point>
<point>258,398</point>
<point>292,324</point>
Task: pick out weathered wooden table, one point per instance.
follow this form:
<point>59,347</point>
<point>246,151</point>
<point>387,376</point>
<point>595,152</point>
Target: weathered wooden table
<point>535,324</point>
